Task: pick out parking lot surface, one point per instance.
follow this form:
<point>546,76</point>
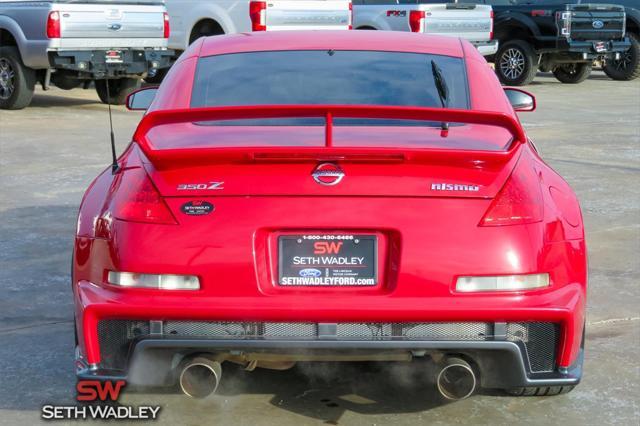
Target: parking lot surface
<point>50,152</point>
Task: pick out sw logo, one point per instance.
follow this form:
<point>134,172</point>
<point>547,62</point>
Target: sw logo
<point>325,247</point>
<point>92,390</point>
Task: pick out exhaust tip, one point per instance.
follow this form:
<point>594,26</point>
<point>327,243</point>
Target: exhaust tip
<point>200,377</point>
<point>456,379</point>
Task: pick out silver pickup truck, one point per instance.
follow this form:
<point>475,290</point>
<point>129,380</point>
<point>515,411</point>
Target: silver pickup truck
<point>68,43</point>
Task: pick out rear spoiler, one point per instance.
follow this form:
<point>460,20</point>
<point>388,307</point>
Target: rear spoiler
<point>328,112</point>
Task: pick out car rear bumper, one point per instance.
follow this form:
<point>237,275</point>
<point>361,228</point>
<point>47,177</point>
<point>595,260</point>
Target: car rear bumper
<point>499,364</point>
<point>595,49</point>
<point>487,48</point>
<point>94,64</point>
<point>524,341</point>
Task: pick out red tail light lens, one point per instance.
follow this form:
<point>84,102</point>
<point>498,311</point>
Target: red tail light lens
<point>257,14</point>
<point>415,20</point>
<point>53,25</point>
<point>167,27</point>
<point>137,200</point>
<point>519,201</point>
<point>491,31</point>
<point>350,15</point>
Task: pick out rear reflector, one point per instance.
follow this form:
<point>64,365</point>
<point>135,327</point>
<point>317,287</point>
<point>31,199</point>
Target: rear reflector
<point>137,200</point>
<point>416,18</point>
<point>502,283</point>
<point>159,282</point>
<point>519,201</point>
<point>257,13</point>
<point>53,24</point>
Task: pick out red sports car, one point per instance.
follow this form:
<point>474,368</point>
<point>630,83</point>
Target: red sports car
<point>331,196</point>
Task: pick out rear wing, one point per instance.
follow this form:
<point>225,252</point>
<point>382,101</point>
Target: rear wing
<point>329,113</point>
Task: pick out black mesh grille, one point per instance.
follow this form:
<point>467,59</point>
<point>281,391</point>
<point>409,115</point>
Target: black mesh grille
<point>115,338</point>
<point>539,340</point>
<point>356,331</point>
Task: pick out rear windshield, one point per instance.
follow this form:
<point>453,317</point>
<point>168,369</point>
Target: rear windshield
<point>327,77</point>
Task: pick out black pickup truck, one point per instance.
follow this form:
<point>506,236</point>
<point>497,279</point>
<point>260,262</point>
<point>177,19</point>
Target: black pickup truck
<point>555,35</point>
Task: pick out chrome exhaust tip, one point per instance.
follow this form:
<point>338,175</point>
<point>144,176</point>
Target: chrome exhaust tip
<point>199,377</point>
<point>456,379</point>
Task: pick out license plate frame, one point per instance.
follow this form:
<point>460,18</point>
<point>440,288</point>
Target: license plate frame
<point>113,56</point>
<point>343,260</point>
<point>600,46</point>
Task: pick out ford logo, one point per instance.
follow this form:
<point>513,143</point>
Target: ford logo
<point>115,27</point>
<point>310,272</point>
<point>597,24</point>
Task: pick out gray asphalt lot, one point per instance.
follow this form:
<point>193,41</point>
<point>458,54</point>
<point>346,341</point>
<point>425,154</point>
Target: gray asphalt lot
<point>50,152</point>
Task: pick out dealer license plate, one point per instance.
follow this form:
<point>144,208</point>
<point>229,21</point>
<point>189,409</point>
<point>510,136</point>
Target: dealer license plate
<point>113,57</point>
<point>328,260</point>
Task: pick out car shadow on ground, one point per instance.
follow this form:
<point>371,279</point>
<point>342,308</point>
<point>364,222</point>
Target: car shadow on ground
<point>319,391</point>
<point>46,99</point>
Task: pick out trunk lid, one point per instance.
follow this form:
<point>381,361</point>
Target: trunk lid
<point>104,20</point>
<point>306,14</point>
<point>598,22</point>
<point>469,21</point>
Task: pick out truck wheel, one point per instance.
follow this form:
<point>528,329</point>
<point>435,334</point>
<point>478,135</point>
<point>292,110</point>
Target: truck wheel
<point>118,90</point>
<point>17,82</point>
<point>628,66</point>
<point>573,73</point>
<point>539,391</point>
<point>516,63</point>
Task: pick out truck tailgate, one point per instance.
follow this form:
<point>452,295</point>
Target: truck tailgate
<point>471,22</point>
<point>308,14</point>
<point>112,21</point>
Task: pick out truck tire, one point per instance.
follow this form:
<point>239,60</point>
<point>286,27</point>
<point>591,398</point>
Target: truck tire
<point>118,90</point>
<point>17,82</point>
<point>628,66</point>
<point>573,73</point>
<point>539,391</point>
<point>516,63</point>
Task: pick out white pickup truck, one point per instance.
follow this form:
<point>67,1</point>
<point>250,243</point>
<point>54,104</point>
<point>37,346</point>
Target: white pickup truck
<point>192,19</point>
<point>469,21</point>
<point>69,42</point>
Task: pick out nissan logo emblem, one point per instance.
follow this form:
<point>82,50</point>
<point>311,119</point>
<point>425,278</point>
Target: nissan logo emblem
<point>597,24</point>
<point>327,174</point>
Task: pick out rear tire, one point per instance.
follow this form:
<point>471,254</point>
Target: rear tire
<point>118,90</point>
<point>539,391</point>
<point>573,73</point>
<point>17,82</point>
<point>628,66</point>
<point>516,63</point>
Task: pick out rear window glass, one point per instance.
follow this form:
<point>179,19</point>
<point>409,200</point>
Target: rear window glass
<point>320,77</point>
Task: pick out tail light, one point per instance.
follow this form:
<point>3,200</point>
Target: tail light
<point>257,13</point>
<point>53,24</point>
<point>491,30</point>
<point>519,201</point>
<point>416,18</point>
<point>563,21</point>
<point>167,27</point>
<point>350,15</point>
<point>137,200</point>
